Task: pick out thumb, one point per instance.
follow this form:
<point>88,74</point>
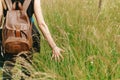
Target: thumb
<point>62,50</point>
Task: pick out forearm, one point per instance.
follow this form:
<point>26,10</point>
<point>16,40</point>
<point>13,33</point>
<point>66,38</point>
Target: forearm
<point>44,29</point>
<point>1,12</point>
<point>42,26</point>
<point>0,19</point>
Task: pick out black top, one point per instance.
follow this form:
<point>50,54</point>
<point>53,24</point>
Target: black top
<point>30,9</point>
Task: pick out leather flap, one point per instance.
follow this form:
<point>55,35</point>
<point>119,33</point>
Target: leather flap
<point>18,27</point>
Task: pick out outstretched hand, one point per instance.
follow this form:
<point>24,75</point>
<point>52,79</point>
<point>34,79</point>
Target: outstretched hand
<point>57,53</point>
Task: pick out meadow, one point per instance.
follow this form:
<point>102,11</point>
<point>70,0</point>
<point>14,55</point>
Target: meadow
<point>89,32</point>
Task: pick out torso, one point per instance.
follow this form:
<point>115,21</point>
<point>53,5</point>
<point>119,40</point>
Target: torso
<point>30,9</point>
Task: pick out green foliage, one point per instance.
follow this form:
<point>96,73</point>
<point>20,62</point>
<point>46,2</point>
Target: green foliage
<point>89,35</point>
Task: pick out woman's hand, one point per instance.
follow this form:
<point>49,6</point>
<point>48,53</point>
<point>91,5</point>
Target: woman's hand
<point>57,53</point>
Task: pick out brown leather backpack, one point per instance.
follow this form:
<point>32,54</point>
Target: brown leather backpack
<point>17,29</point>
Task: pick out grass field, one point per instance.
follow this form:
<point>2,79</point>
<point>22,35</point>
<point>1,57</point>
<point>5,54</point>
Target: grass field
<point>89,32</point>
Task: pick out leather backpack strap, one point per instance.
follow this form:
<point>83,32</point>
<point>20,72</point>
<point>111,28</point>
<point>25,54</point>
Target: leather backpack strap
<point>9,4</point>
<point>26,4</point>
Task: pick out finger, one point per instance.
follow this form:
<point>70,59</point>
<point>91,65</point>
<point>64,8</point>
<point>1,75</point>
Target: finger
<point>55,57</point>
<point>61,56</point>
<point>53,54</point>
<point>62,50</point>
<point>58,58</point>
<point>52,57</point>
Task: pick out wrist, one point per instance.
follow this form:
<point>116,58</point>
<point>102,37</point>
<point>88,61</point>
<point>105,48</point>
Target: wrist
<point>54,47</point>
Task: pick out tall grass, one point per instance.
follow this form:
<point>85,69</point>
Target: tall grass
<point>90,35</point>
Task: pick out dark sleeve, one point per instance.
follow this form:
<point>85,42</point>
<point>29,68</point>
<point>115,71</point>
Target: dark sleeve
<point>30,10</point>
<point>4,12</point>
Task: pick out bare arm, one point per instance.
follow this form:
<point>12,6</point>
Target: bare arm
<point>44,28</point>
<point>42,24</point>
<point>1,12</point>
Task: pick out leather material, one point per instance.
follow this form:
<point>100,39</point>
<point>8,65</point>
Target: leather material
<point>17,30</point>
<point>30,9</point>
